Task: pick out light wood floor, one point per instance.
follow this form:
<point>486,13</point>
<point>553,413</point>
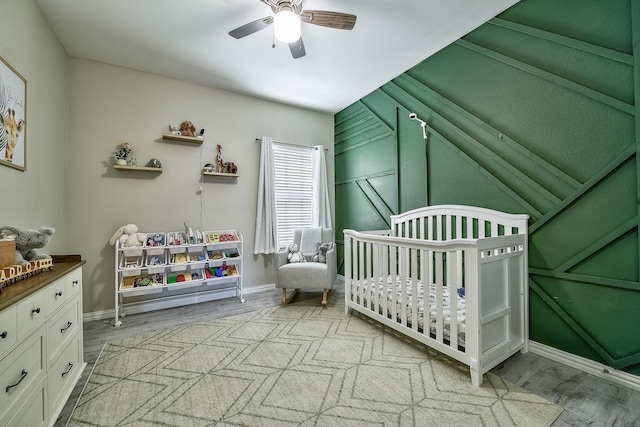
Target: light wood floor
<point>587,400</point>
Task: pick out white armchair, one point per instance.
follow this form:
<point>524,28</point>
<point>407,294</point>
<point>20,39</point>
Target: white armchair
<point>306,275</point>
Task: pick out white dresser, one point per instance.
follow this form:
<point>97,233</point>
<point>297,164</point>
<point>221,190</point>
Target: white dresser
<point>41,354</point>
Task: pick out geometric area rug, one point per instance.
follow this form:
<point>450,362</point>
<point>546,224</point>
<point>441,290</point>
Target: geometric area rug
<point>293,366</point>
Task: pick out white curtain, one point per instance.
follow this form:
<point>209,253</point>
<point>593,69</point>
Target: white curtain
<point>266,241</point>
<point>321,206</point>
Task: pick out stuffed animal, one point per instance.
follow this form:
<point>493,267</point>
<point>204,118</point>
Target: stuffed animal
<point>187,129</point>
<point>220,165</point>
<point>128,235</point>
<point>294,254</point>
<point>175,129</point>
<point>27,241</point>
<point>321,252</point>
<point>231,167</point>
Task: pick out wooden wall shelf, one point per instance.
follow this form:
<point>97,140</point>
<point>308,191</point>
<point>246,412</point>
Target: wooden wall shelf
<point>138,168</point>
<point>230,175</point>
<point>189,139</point>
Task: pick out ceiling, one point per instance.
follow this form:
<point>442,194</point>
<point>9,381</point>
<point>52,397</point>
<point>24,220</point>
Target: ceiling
<point>188,40</point>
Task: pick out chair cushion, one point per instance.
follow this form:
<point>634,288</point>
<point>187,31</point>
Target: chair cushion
<point>303,275</point>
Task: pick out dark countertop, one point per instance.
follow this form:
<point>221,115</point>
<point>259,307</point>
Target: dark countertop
<point>62,265</point>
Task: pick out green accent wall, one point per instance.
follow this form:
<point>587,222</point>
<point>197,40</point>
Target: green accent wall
<point>534,112</point>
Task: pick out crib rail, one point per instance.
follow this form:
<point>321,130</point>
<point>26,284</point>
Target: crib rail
<point>383,275</point>
<point>446,222</point>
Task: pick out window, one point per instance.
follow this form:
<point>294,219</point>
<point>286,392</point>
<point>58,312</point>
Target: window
<point>294,190</point>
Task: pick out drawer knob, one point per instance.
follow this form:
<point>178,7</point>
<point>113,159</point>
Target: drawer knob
<point>68,369</point>
<point>23,375</point>
<point>75,282</point>
<point>66,327</point>
<point>35,310</point>
<point>59,293</point>
<point>4,335</point>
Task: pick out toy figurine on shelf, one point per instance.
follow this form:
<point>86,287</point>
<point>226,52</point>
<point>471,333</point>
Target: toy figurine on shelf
<point>222,166</point>
<point>219,163</point>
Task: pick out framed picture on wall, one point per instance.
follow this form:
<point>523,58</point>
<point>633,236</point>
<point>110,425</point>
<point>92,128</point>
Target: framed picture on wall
<point>13,117</point>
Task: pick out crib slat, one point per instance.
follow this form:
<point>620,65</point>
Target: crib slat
<point>452,269</point>
<point>494,229</point>
<point>426,281</point>
<point>374,277</point>
<point>414,289</point>
<point>439,282</point>
<point>359,267</point>
<point>393,265</point>
<point>402,283</point>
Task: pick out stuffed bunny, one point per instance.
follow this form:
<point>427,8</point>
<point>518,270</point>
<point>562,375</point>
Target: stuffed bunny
<point>294,254</point>
<point>27,241</point>
<point>128,235</point>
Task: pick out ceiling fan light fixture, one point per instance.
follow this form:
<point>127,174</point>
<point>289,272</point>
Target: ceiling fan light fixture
<point>286,25</point>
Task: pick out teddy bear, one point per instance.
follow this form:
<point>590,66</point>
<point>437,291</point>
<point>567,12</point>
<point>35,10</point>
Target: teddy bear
<point>321,252</point>
<point>187,129</point>
<point>128,235</point>
<point>294,254</point>
<point>27,241</point>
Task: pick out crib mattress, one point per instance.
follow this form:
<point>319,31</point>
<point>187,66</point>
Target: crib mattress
<point>387,287</point>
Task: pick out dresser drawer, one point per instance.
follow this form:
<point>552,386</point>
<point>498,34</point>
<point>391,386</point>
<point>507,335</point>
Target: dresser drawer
<point>33,412</point>
<point>31,313</point>
<point>8,328</point>
<point>61,328</point>
<point>63,373</point>
<point>56,295</point>
<point>74,282</point>
<point>20,371</point>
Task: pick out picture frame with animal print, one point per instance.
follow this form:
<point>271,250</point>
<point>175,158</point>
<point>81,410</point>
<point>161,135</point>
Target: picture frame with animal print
<point>13,117</point>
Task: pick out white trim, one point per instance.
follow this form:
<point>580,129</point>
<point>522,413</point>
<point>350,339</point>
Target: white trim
<point>175,301</point>
<point>586,365</point>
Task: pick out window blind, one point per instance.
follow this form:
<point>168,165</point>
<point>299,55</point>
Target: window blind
<point>294,190</point>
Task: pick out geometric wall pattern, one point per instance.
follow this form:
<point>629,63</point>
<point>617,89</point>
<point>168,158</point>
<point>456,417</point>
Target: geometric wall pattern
<point>534,112</point>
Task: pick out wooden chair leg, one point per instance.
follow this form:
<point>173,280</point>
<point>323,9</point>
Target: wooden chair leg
<point>325,294</point>
<point>287,299</point>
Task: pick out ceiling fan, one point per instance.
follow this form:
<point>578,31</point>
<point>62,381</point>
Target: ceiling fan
<point>287,19</point>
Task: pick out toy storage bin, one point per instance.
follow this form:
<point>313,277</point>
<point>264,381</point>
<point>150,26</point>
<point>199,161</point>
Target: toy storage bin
<point>144,279</point>
<point>178,258</point>
<point>155,243</point>
<point>220,270</point>
<point>220,236</point>
<point>176,238</point>
<point>155,259</point>
<point>185,277</point>
<point>197,255</point>
<point>131,262</point>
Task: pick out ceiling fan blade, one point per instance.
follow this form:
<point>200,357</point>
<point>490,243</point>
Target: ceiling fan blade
<point>251,27</point>
<point>297,49</point>
<point>325,18</point>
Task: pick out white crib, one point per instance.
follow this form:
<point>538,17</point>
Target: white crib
<point>473,262</point>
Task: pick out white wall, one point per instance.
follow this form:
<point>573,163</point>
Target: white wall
<point>109,104</point>
<point>37,197</point>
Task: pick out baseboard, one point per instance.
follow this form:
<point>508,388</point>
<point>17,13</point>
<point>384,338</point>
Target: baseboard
<point>175,301</point>
<point>587,365</point>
